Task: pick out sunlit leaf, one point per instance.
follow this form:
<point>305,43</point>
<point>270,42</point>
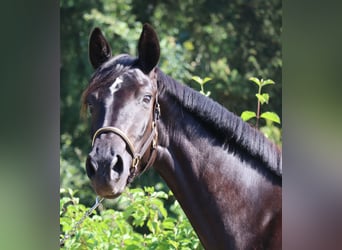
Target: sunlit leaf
<point>263,98</point>
<point>160,206</point>
<point>206,79</point>
<point>174,244</point>
<point>266,82</point>
<point>271,116</point>
<point>255,80</point>
<point>266,97</point>
<point>246,115</point>
<point>168,223</point>
<point>197,79</point>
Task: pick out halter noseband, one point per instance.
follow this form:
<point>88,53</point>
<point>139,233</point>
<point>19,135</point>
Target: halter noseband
<point>151,141</point>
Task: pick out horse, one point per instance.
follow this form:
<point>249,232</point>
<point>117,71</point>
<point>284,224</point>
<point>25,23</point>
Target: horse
<point>225,174</point>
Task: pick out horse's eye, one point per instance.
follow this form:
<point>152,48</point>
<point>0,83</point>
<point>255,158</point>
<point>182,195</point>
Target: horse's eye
<point>91,100</point>
<point>90,107</point>
<point>147,99</point>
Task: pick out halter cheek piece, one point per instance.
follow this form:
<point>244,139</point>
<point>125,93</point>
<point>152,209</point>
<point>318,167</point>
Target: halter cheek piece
<point>152,142</point>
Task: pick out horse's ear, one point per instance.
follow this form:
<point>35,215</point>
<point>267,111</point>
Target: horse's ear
<point>148,48</point>
<point>99,49</point>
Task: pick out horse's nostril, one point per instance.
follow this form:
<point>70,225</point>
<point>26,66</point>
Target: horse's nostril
<point>91,167</point>
<point>118,167</point>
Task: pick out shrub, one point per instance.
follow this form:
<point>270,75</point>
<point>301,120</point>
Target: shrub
<point>139,221</point>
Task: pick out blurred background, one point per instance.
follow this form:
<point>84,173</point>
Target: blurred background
<point>228,41</point>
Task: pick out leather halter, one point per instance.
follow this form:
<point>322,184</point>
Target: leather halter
<point>152,142</point>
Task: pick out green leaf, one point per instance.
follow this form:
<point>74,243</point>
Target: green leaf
<point>266,82</point>
<point>263,98</point>
<point>201,81</point>
<point>152,226</point>
<point>149,190</point>
<point>206,79</point>
<point>255,80</point>
<point>174,243</point>
<point>168,223</point>
<point>160,206</point>
<point>160,194</point>
<point>271,116</point>
<point>197,79</point>
<point>246,115</point>
<point>266,97</point>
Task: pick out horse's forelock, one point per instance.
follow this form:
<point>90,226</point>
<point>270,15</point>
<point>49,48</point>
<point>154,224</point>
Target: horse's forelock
<point>113,68</point>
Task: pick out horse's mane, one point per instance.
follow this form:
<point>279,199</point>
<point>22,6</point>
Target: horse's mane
<point>226,124</point>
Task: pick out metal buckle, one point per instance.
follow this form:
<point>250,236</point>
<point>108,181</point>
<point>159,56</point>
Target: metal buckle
<point>135,163</point>
<point>157,111</point>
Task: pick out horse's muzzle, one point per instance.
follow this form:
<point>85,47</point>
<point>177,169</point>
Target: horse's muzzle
<point>111,167</point>
<point>106,172</point>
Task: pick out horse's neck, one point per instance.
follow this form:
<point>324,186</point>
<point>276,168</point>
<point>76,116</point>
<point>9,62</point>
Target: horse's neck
<point>183,174</point>
<point>205,178</point>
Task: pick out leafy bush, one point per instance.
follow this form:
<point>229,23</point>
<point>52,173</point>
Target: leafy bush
<point>262,98</point>
<point>139,221</point>
<point>271,131</point>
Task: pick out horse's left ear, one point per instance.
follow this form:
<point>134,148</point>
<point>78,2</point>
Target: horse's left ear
<point>148,49</point>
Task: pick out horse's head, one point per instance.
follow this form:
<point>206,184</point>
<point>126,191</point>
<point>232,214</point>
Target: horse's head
<point>122,99</point>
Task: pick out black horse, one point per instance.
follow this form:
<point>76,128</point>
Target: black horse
<point>225,174</point>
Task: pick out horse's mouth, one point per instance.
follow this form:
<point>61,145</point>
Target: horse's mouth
<point>112,196</point>
<point>108,195</point>
<point>107,191</point>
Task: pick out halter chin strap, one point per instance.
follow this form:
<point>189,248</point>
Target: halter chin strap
<point>151,142</point>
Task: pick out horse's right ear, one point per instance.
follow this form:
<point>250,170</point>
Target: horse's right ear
<point>99,49</point>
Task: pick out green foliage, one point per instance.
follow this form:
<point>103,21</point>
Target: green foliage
<point>262,98</point>
<point>140,221</point>
<point>270,116</point>
<point>270,131</point>
<point>230,41</point>
<point>202,82</point>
